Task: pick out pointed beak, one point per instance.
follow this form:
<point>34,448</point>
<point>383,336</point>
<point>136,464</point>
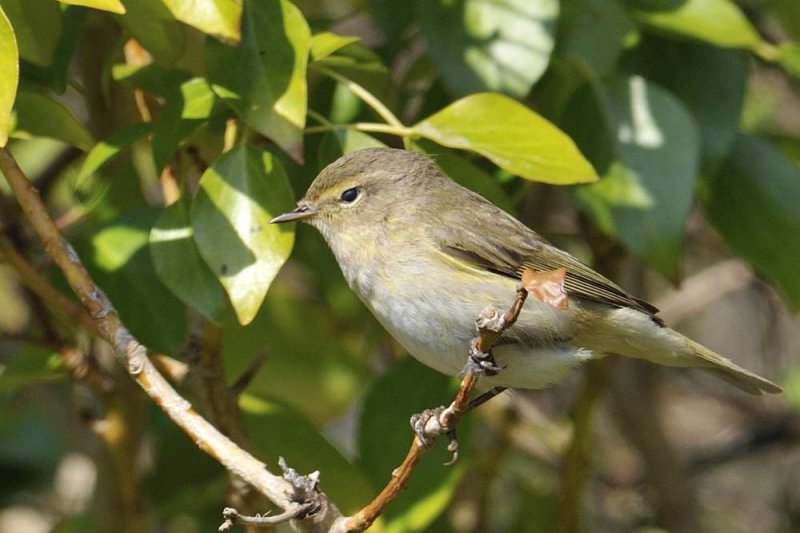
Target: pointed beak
<point>301,212</point>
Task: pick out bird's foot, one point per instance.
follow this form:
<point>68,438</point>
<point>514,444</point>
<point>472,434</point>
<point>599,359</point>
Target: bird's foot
<point>431,423</point>
<point>481,363</point>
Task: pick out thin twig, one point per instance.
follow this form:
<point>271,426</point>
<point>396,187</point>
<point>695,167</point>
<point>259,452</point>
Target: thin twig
<point>133,356</point>
<point>368,98</point>
<point>491,326</point>
<point>232,517</point>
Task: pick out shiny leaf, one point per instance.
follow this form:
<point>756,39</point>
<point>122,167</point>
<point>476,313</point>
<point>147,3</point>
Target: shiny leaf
<point>479,45</point>
<point>9,66</point>
<point>114,6</point>
<point>107,149</point>
<point>719,22</point>
<point>264,79</point>
<point>179,265</point>
<point>37,26</point>
<point>219,18</point>
<point>39,115</point>
<point>238,196</point>
<point>325,43</point>
<point>647,148</point>
<point>511,135</point>
<point>753,201</point>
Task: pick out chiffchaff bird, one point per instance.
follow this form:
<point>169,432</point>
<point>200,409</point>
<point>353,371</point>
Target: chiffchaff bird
<point>427,255</point>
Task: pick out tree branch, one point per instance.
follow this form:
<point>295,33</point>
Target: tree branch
<point>133,356</point>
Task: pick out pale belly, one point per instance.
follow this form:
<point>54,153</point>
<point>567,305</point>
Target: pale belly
<point>437,333</point>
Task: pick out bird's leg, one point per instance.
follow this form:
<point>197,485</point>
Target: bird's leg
<point>481,363</point>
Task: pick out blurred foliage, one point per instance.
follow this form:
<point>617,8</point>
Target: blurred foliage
<point>164,134</point>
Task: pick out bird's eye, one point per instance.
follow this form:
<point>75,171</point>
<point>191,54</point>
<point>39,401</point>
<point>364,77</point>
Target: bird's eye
<point>349,196</point>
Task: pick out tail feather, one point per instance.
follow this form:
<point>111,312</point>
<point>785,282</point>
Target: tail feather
<point>725,369</point>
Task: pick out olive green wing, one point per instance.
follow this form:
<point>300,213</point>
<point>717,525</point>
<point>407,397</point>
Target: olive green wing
<point>510,247</point>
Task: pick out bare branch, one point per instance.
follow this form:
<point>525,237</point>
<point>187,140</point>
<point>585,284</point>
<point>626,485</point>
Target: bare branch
<point>133,355</point>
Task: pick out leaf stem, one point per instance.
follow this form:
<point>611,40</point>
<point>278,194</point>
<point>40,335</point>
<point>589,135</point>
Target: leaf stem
<point>371,100</point>
<point>374,127</point>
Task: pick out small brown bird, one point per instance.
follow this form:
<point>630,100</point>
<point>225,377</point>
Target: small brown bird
<point>427,255</point>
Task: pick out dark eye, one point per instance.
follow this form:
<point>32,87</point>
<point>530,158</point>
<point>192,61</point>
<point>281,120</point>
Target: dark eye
<point>349,196</point>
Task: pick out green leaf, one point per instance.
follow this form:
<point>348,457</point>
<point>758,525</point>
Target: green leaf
<point>753,202</point>
<point>30,365</point>
<point>119,260</point>
<point>154,26</point>
<point>9,66</point>
<point>278,431</point>
<point>230,215</point>
<point>511,135</point>
<point>219,18</point>
<point>37,25</point>
<point>645,144</point>
<point>594,34</point>
<point>325,43</point>
<point>711,85</point>
<point>719,22</point>
<point>179,265</point>
<point>39,115</point>
<point>264,79</point>
<point>789,58</point>
<point>106,150</point>
<point>114,6</point>
<point>502,45</point>
<point>384,438</point>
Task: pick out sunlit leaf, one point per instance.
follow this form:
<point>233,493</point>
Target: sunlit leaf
<point>384,438</point>
<point>39,115</point>
<point>155,28</point>
<point>238,196</point>
<point>753,202</point>
<point>511,135</point>
<point>107,149</point>
<point>114,6</point>
<point>502,45</point>
<point>220,18</point>
<point>325,43</point>
<point>646,147</point>
<point>278,431</point>
<point>179,265</point>
<point>9,66</point>
<point>37,26</point>
<point>719,22</point>
<point>264,78</point>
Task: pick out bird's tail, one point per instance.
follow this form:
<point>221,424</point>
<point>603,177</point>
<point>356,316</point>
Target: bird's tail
<point>724,368</point>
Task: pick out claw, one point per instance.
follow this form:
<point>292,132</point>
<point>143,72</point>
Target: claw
<point>427,426</point>
<point>452,447</point>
